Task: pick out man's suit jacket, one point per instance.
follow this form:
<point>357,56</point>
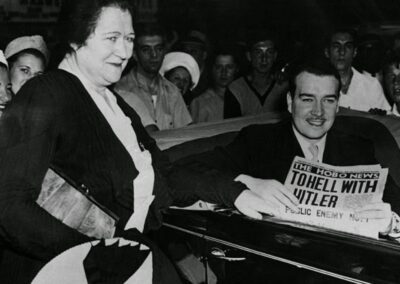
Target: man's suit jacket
<point>267,151</point>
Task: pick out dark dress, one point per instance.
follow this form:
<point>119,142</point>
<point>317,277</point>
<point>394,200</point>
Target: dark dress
<point>54,121</point>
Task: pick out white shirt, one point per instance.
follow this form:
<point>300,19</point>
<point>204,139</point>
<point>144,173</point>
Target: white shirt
<point>122,128</point>
<point>305,144</point>
<point>365,92</point>
<point>395,110</point>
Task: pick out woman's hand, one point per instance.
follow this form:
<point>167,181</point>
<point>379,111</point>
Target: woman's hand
<point>379,210</point>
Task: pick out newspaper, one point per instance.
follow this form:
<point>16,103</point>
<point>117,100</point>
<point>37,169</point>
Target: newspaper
<point>329,195</point>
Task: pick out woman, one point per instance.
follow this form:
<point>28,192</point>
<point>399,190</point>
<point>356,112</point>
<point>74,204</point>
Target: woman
<point>5,85</point>
<point>27,57</point>
<point>70,121</point>
<point>182,70</point>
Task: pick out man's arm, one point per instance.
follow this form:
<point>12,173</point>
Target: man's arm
<point>222,175</point>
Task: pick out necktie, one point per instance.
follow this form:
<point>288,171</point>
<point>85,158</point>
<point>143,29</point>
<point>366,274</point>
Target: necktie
<point>314,152</point>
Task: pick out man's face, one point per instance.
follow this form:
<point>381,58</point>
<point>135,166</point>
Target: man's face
<point>263,56</point>
<point>392,81</point>
<point>314,104</point>
<point>197,51</point>
<point>224,70</point>
<point>149,52</point>
<point>341,51</point>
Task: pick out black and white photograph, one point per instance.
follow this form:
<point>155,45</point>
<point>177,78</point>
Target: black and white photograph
<point>199,141</point>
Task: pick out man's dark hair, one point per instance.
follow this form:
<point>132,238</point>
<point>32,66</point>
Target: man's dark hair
<point>342,30</point>
<point>149,29</point>
<point>259,35</point>
<point>225,49</point>
<point>78,19</point>
<point>317,66</point>
<point>391,59</point>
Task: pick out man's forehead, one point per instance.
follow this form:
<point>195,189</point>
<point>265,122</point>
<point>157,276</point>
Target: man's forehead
<point>342,37</point>
<point>393,68</point>
<point>151,40</point>
<point>309,83</point>
<point>224,59</point>
<point>264,44</point>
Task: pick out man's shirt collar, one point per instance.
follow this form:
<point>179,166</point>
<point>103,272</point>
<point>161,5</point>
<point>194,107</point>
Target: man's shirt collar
<point>305,144</point>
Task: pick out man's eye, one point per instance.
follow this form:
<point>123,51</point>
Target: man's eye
<point>307,100</point>
<point>330,100</point>
<point>145,49</point>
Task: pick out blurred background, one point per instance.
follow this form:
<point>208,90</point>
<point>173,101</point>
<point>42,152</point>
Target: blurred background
<point>300,24</point>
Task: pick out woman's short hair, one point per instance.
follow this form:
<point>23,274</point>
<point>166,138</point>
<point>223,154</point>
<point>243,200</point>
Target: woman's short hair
<point>36,53</point>
<point>78,18</point>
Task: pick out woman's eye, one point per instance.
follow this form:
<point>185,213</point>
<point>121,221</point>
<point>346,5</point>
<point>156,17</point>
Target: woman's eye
<point>25,70</point>
<point>112,38</point>
<point>130,39</point>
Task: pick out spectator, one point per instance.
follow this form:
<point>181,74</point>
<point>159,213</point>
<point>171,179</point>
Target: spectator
<point>197,45</point>
<point>370,55</point>
<point>182,70</point>
<point>157,101</point>
<point>5,85</point>
<point>358,91</point>
<point>27,57</point>
<point>391,80</point>
<point>261,90</point>
<point>395,48</point>
<point>209,106</point>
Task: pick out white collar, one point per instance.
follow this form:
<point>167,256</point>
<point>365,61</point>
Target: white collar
<point>305,143</point>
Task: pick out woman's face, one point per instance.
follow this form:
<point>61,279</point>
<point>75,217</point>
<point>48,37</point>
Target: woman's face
<point>181,78</point>
<point>25,67</point>
<point>5,89</point>
<point>106,52</point>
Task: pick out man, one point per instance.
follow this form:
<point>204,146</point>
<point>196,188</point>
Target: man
<point>209,106</point>
<point>196,44</point>
<point>391,80</point>
<point>157,101</point>
<point>261,90</point>
<point>358,91</point>
<point>260,156</point>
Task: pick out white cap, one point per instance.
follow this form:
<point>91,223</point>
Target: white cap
<point>181,59</point>
<point>27,42</point>
<point>3,58</point>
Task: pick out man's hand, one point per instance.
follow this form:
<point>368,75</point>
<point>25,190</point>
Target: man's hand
<point>250,204</point>
<point>271,191</point>
<point>380,210</point>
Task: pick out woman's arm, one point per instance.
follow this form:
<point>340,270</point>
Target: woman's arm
<point>28,131</point>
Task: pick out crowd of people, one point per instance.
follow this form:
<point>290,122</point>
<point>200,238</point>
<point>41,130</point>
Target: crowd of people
<point>89,119</point>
